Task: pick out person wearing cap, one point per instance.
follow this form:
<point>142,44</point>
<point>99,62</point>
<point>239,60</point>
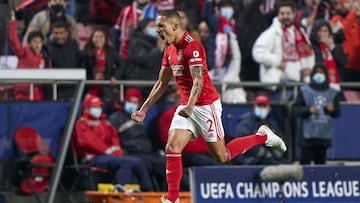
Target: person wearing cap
<point>97,143</point>
<point>134,140</point>
<point>249,123</point>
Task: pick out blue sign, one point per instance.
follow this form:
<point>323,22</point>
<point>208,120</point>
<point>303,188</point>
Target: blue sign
<point>237,184</point>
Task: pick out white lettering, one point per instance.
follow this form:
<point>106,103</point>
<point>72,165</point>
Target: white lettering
<point>216,190</point>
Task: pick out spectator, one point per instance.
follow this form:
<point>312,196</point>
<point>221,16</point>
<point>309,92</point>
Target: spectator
<point>284,51</point>
<point>313,10</point>
<point>101,63</point>
<point>186,24</point>
<point>145,54</point>
<point>31,55</point>
<point>96,142</point>
<point>44,20</point>
<point>316,105</point>
<point>64,53</point>
<point>203,30</point>
<point>249,123</point>
<point>328,52</point>
<point>252,23</point>
<point>347,20</point>
<point>220,20</point>
<point>128,20</point>
<point>134,140</point>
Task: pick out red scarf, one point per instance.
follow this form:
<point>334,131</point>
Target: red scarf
<point>225,22</point>
<point>99,66</point>
<point>330,64</point>
<point>301,49</point>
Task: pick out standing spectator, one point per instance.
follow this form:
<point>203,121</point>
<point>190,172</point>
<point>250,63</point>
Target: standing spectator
<point>134,140</point>
<point>64,53</point>
<point>252,22</point>
<point>128,20</point>
<point>203,30</point>
<point>45,20</point>
<point>328,52</point>
<point>284,51</point>
<point>145,53</point>
<point>101,63</point>
<point>347,20</point>
<point>249,123</point>
<point>220,19</point>
<point>31,55</point>
<point>96,142</point>
<point>316,105</point>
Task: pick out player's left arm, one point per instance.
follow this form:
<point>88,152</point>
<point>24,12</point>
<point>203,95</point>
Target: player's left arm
<point>197,76</point>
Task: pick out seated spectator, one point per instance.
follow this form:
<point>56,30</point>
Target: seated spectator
<point>134,140</point>
<point>44,20</point>
<point>328,52</point>
<point>145,54</point>
<point>248,124</point>
<point>284,52</point>
<point>31,55</point>
<point>128,20</point>
<point>97,143</point>
<point>316,105</point>
<point>101,63</point>
<point>64,53</point>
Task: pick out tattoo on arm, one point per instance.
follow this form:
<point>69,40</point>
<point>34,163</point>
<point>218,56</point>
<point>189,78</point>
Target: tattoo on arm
<point>197,75</point>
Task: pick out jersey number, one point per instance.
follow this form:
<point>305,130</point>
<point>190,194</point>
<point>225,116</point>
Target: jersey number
<point>210,122</point>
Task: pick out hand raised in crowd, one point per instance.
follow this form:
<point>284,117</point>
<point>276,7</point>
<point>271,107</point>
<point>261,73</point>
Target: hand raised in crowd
<point>328,40</point>
<point>283,65</point>
<point>313,109</point>
<point>310,20</point>
<point>330,107</point>
<point>113,80</point>
<point>138,116</point>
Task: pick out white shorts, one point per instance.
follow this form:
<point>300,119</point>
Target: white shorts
<point>205,120</point>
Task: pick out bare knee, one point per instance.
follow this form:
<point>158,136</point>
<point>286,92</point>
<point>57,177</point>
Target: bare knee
<point>173,147</point>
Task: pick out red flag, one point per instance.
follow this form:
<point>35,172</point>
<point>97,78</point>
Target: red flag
<point>31,4</point>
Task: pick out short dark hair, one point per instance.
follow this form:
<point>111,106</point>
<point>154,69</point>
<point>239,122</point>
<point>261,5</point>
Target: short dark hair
<point>61,24</point>
<point>286,3</point>
<point>171,14</point>
<point>35,34</point>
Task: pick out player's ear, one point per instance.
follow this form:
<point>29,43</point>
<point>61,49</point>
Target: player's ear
<point>175,25</point>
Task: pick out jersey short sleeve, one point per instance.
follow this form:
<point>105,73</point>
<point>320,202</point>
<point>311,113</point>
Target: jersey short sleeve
<point>165,59</point>
<point>194,54</point>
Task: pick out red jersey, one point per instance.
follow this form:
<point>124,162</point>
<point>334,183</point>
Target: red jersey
<point>189,52</point>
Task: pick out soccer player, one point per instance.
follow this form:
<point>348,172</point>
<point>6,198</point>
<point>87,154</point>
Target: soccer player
<point>200,106</point>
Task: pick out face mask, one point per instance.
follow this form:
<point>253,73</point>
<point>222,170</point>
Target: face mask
<point>318,78</point>
<point>130,107</point>
<point>261,112</point>
<point>151,31</point>
<point>56,8</point>
<point>226,12</point>
<point>95,112</point>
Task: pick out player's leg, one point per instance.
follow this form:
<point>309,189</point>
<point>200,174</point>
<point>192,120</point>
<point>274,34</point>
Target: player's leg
<point>177,140</point>
<point>180,132</point>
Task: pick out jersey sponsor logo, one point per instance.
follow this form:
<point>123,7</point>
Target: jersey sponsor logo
<point>177,70</point>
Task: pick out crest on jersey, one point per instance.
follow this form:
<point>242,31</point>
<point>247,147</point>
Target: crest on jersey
<point>180,52</point>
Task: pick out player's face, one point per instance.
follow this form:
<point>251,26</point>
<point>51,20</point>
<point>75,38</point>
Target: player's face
<point>166,29</point>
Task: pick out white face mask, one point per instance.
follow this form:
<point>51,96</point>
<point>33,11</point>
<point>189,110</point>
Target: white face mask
<point>95,112</point>
<point>261,113</point>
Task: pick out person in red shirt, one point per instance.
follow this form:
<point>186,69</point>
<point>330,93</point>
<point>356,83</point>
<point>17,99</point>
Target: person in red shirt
<point>200,106</point>
<point>97,142</point>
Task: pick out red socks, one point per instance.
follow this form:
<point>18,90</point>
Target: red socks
<point>241,145</point>
<point>173,174</point>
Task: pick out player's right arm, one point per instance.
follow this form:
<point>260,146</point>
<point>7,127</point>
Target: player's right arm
<point>156,92</point>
